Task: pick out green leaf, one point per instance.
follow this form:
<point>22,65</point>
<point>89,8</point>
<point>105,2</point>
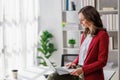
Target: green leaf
<point>41,50</point>
<point>46,47</point>
<point>72,41</point>
<point>44,63</point>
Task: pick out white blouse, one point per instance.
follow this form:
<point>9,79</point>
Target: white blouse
<point>84,48</point>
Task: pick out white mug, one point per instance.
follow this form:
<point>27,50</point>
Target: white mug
<point>15,73</point>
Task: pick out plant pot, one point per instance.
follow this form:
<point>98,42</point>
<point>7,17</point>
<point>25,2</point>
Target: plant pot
<point>71,45</point>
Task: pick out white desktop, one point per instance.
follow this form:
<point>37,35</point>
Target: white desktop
<point>37,73</point>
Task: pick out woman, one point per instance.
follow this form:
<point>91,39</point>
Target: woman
<point>93,48</point>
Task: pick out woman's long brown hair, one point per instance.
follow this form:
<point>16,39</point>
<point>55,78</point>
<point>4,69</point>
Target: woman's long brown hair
<point>93,16</point>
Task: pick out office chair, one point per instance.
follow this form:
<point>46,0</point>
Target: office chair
<point>67,58</point>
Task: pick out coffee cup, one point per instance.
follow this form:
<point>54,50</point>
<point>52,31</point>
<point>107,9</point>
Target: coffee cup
<point>15,73</point>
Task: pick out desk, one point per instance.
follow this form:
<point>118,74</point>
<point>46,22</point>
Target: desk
<point>34,73</point>
<point>37,74</point>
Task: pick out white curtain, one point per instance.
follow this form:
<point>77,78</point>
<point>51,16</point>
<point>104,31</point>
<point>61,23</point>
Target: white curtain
<point>18,33</point>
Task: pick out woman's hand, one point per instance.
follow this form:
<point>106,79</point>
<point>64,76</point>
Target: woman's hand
<point>77,71</point>
<point>70,65</point>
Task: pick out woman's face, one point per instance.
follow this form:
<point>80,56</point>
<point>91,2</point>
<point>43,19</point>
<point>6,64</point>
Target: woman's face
<point>84,22</point>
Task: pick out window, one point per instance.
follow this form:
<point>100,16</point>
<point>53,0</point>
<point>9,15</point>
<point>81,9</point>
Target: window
<point>18,33</point>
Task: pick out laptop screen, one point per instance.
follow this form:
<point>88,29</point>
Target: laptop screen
<point>49,63</point>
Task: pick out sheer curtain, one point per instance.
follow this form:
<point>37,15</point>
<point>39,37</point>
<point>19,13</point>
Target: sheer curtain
<point>18,33</point>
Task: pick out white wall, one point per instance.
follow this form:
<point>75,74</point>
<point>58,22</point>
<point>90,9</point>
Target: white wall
<point>50,19</point>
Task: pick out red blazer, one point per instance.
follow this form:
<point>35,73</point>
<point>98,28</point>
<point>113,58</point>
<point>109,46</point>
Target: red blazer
<point>97,56</point>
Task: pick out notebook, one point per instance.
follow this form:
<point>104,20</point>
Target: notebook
<point>59,70</point>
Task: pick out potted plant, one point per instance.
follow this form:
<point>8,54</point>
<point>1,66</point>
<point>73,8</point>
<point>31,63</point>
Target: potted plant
<point>46,47</point>
<point>72,42</point>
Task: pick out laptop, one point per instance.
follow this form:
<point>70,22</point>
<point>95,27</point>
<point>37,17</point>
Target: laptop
<point>59,70</point>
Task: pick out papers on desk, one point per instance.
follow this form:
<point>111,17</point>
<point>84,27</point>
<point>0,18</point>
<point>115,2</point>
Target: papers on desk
<point>108,74</point>
<point>34,73</point>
